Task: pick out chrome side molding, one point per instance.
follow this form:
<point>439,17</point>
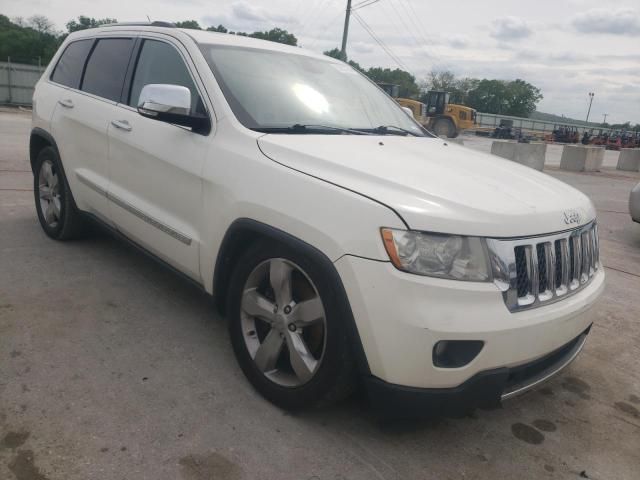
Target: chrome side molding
<point>135,211</point>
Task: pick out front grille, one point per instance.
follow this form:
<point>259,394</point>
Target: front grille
<point>538,270</point>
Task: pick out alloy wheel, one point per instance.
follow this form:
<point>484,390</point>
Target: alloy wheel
<point>283,322</point>
<point>49,194</point>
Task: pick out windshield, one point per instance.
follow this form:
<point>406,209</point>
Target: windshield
<point>270,90</point>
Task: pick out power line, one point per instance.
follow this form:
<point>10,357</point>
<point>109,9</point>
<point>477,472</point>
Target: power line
<point>363,4</point>
<point>399,27</point>
<point>311,14</point>
<point>413,22</point>
<point>379,41</point>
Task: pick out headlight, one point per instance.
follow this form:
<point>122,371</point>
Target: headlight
<point>437,255</point>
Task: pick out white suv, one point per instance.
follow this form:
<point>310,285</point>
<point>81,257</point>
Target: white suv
<point>344,242</point>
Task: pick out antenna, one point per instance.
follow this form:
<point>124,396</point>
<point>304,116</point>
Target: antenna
<point>148,19</point>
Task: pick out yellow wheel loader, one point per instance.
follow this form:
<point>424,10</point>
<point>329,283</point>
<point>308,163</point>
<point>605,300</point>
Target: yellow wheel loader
<point>437,115</point>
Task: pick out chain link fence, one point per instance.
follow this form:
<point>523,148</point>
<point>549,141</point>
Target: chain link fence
<point>18,77</point>
<point>491,121</point>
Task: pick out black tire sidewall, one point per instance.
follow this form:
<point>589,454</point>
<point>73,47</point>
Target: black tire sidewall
<point>451,129</point>
<point>49,153</point>
<point>336,356</point>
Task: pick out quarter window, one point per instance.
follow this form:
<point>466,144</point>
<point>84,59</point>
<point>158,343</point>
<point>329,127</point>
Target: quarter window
<point>68,71</point>
<point>159,62</point>
<point>107,67</point>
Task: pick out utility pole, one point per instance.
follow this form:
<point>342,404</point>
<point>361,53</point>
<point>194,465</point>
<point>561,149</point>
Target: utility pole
<point>591,95</point>
<point>605,118</point>
<point>345,32</point>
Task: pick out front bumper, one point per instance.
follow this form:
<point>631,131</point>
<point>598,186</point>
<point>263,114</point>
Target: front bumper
<point>486,389</point>
<point>400,317</point>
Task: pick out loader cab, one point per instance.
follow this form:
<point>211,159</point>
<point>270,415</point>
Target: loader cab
<point>436,103</point>
<point>391,89</point>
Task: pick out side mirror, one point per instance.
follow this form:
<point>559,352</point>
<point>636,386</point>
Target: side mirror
<point>408,111</point>
<point>171,104</point>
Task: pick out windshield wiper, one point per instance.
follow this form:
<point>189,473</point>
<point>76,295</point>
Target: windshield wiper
<point>310,129</point>
<point>393,130</point>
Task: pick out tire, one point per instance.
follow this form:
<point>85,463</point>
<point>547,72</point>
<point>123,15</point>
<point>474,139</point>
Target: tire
<point>280,376</point>
<point>58,215</point>
<point>443,127</point>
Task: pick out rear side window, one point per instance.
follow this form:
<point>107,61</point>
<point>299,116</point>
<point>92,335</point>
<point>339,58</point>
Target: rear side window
<point>159,62</point>
<point>68,71</point>
<point>107,66</point>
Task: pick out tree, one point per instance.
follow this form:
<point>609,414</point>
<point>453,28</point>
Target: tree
<point>191,24</point>
<point>517,98</point>
<point>445,80</point>
<point>490,96</point>
<point>276,35</point>
<point>219,28</point>
<point>522,98</point>
<point>41,24</point>
<point>87,22</point>
<point>406,81</point>
<point>336,53</point>
<point>24,44</point>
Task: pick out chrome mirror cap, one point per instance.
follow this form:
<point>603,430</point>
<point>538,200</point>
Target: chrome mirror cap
<point>158,98</point>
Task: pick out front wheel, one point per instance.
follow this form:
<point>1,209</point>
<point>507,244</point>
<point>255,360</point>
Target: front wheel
<point>286,328</point>
<point>444,127</point>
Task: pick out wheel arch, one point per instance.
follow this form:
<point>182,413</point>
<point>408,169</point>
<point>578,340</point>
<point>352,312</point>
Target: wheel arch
<point>39,140</point>
<point>243,233</point>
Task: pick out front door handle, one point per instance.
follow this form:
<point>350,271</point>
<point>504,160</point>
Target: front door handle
<point>67,103</point>
<point>122,125</point>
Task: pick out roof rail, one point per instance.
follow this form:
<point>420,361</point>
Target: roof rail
<point>141,24</point>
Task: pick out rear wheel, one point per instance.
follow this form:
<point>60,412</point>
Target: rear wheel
<point>59,218</point>
<point>286,329</point>
<point>444,127</point>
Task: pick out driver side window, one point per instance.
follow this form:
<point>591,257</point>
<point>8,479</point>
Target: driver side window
<point>159,62</point>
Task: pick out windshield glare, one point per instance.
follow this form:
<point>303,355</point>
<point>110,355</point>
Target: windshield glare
<point>268,89</point>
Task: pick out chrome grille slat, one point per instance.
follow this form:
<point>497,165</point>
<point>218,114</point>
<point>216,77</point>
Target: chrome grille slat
<point>592,239</point>
<point>564,284</point>
<point>532,267</point>
<point>577,261</point>
<point>586,257</point>
<point>536,271</point>
<point>550,270</point>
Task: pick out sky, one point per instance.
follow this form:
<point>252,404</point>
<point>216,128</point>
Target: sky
<point>566,48</point>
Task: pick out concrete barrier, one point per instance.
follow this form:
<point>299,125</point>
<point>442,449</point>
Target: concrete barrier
<point>579,158</point>
<point>528,154</point>
<point>629,160</point>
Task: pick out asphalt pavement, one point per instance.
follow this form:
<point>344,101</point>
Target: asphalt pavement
<point>112,367</point>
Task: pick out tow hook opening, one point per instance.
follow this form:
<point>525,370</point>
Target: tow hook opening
<point>455,353</point>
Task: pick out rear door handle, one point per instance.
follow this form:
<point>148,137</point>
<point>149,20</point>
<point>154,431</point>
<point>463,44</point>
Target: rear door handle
<point>122,125</point>
<point>67,103</point>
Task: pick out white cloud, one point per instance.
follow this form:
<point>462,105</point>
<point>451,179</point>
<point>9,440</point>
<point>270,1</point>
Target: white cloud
<point>241,15</point>
<point>510,28</point>
<point>458,41</point>
<point>617,21</point>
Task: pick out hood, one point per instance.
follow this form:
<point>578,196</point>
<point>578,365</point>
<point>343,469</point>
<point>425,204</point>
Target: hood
<point>437,186</point>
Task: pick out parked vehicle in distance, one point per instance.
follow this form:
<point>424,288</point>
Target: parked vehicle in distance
<point>634,203</point>
<point>563,134</point>
<point>342,241</point>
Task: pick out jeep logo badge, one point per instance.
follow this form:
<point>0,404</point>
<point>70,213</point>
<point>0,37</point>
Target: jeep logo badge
<point>571,216</point>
